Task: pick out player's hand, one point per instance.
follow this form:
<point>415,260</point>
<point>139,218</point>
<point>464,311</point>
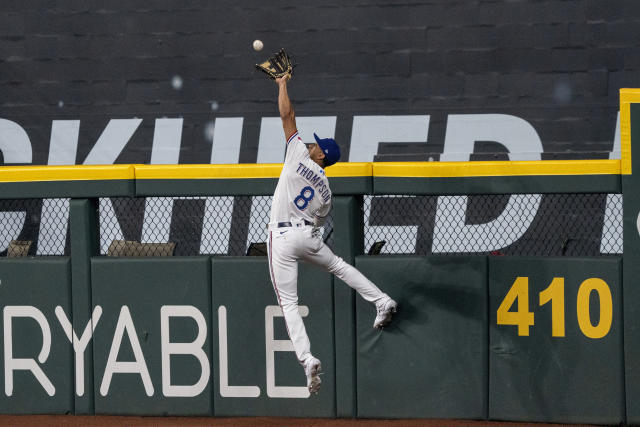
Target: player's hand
<point>284,79</point>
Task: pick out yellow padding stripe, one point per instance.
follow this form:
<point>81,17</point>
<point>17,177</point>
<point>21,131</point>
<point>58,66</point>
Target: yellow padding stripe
<point>498,168</point>
<point>239,171</point>
<point>266,170</point>
<point>627,97</point>
<point>349,170</point>
<point>66,173</point>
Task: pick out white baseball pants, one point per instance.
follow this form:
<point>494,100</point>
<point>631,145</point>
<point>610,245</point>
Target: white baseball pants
<point>286,246</point>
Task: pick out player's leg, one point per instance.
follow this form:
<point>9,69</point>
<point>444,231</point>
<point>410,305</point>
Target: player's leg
<point>283,268</point>
<point>321,255</point>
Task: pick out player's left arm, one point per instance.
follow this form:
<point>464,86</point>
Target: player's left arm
<point>287,113</point>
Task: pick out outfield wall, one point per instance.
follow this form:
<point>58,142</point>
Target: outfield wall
<point>485,337</point>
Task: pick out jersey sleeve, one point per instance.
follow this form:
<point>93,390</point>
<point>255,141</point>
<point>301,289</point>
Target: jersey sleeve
<point>296,150</point>
<point>321,214</point>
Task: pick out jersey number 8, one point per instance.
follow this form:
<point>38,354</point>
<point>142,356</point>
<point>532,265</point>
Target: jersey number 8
<point>303,199</point>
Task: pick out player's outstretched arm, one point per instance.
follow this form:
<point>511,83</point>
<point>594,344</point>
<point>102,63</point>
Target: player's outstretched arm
<point>287,114</point>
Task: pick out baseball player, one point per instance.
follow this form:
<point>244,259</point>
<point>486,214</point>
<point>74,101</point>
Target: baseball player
<point>301,202</point>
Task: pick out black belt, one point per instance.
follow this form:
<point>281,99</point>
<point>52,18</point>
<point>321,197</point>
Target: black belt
<point>288,224</point>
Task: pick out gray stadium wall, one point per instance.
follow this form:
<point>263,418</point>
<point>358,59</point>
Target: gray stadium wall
<point>173,82</point>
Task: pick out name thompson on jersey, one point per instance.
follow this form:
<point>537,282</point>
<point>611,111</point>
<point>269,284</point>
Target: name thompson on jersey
<point>319,182</point>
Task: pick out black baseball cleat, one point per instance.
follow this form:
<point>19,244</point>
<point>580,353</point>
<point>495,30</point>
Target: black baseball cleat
<point>385,311</point>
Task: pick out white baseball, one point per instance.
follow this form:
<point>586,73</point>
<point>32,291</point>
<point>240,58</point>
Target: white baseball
<point>257,45</point>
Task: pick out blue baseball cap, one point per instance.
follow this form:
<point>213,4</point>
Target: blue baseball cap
<point>330,148</point>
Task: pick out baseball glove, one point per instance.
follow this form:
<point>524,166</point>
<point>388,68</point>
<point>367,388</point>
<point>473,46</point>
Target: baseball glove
<point>278,65</point>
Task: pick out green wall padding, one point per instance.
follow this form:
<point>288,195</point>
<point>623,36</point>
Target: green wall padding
<point>42,285</point>
<point>242,288</point>
<point>631,272</point>
<point>431,362</point>
<point>561,379</point>
<point>142,286</point>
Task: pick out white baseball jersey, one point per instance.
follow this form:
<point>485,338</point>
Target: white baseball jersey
<point>303,191</point>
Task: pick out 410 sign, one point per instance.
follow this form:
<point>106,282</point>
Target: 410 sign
<point>521,317</point>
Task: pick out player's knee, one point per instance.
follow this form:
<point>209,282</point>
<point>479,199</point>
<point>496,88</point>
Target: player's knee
<point>338,266</point>
<point>289,306</point>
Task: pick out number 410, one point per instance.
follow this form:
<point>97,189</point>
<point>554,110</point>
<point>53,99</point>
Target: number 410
<point>523,318</point>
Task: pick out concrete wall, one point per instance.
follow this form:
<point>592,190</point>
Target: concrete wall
<point>557,65</point>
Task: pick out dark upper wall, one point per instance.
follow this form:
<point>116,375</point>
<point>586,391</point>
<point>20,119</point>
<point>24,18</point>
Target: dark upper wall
<point>556,64</point>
